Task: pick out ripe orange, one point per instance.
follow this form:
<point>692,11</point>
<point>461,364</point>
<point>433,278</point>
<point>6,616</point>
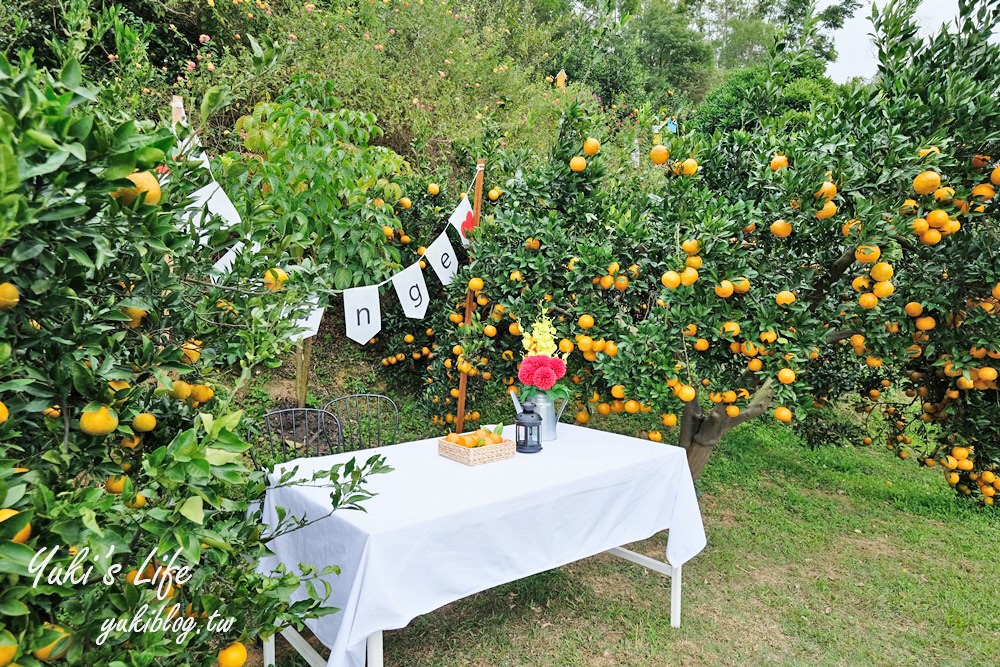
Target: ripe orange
<point>8,648</point>
<point>913,309</point>
<point>882,271</point>
<point>689,276</point>
<point>591,146</point>
<point>618,391</point>
<point>925,323</point>
<point>781,229</point>
<point>689,167</point>
<point>274,279</point>
<point>632,406</point>
<point>783,414</point>
<point>995,176</point>
<point>578,163</point>
<point>924,152</point>
<point>201,393</point>
<point>883,289</point>
<point>979,161</point>
<point>234,655</point>
<point>694,261</point>
<point>826,191</point>
<point>98,422</point>
<point>755,365</point>
<point>731,329</point>
<point>919,226</point>
<point>405,203</point>
<point>691,246</point>
<point>433,189</point>
<point>655,436</point>
<point>58,648</point>
<point>987,374</point>
<point>725,289</point>
<point>621,283</point>
<point>115,484</point>
<point>490,331</point>
<point>828,211</point>
<point>690,330</point>
<point>20,536</point>
<point>866,254</point>
<point>851,226</point>
<point>668,419</point>
<point>784,298</point>
<point>786,376</point>
<point>686,393</point>
<point>732,411</point>
<point>659,154</point>
<point>582,417</point>
<point>779,162</point>
<point>586,321</point>
<point>930,237</point>
<point>585,343</point>
<point>741,285</point>
<point>868,300</point>
<point>861,283</point>
<point>671,279</point>
<point>944,194</point>
<point>144,422</point>
<point>476,284</point>
<point>10,296</point>
<point>937,218</point>
<point>145,182</point>
<point>984,191</point>
<point>566,346</point>
<point>611,349</point>
<point>701,344</point>
<point>926,182</point>
<point>603,409</point>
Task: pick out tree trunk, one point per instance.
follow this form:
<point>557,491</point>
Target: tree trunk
<point>700,434</point>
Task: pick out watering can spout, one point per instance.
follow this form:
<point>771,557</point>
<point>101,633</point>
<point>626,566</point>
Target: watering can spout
<point>517,403</point>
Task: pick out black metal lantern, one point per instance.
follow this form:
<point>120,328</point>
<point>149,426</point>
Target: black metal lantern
<point>528,430</point>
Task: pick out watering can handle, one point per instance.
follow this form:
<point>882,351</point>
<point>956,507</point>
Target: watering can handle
<point>517,403</point>
<point>559,414</point>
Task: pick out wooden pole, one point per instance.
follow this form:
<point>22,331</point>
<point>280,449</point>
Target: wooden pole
<point>477,207</point>
<point>303,357</point>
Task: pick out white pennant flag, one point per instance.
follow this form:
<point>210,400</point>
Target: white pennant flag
<point>362,313</point>
<point>412,291</point>
<point>441,256</point>
<point>309,322</point>
<point>462,219</point>
<point>213,198</point>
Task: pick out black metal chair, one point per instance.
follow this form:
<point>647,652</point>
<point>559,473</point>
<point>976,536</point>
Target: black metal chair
<point>296,433</point>
<point>366,420</point>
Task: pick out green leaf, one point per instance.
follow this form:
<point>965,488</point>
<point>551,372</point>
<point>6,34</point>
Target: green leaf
<point>218,457</point>
<point>9,178</point>
<point>215,99</point>
<point>13,608</point>
<point>193,509</point>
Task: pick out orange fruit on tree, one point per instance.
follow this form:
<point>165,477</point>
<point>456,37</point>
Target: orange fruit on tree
<point>826,191</point>
<point>944,194</point>
<point>603,409</point>
<point>405,203</point>
<point>144,422</point>
<point>632,406</point>
<point>868,300</point>
<point>578,163</point>
<point>731,329</point>
<point>694,261</point>
<point>913,309</point>
<point>741,285</point>
<point>732,411</point>
<point>779,162</point>
<point>686,393</point>
<point>585,343</point>
<point>768,337</point>
<point>10,296</point>
<point>987,374</point>
<point>611,349</point>
<point>202,393</point>
<point>655,436</point>
<point>689,167</point>
<point>783,414</point>
<point>659,154</point>
<point>689,276</point>
<point>489,331</point>
<point>274,279</point>
<point>8,648</point>
<point>591,146</point>
<point>98,422</point>
<point>781,229</point>
<point>690,330</point>
<point>784,298</point>
<point>925,323</point>
<point>668,419</point>
<point>566,346</point>
<point>433,189</point>
<point>930,237</point>
<point>786,376</point>
<point>828,211</point>
<point>144,182</point>
<point>671,279</point>
<point>586,321</point>
<point>979,160</point>
<point>984,191</point>
<point>621,283</point>
<point>883,289</point>
<point>57,648</point>
<point>701,344</point>
<point>850,227</point>
<point>919,226</point>
<point>691,246</point>
<point>234,655</point>
<point>937,218</point>
<point>618,391</point>
<point>924,152</point>
<point>582,417</point>
<point>20,536</point>
<point>115,484</point>
<point>882,271</point>
<point>476,284</point>
<point>995,176</point>
<point>926,182</point>
<point>725,289</point>
<point>755,365</point>
<point>866,254</point>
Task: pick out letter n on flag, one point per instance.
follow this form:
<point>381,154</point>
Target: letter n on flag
<point>463,220</point>
<point>362,313</point>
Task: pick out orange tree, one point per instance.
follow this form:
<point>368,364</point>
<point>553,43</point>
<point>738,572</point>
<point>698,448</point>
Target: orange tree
<point>757,273</point>
<point>117,441</point>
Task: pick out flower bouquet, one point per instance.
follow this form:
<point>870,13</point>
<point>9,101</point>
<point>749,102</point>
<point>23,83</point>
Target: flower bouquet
<point>540,372</point>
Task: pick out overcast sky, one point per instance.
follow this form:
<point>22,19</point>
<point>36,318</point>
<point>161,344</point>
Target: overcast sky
<point>855,52</point>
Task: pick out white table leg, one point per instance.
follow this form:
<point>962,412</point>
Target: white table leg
<point>269,652</point>
<point>303,648</point>
<point>675,597</point>
<point>375,649</point>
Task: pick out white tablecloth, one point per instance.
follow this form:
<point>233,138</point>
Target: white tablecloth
<point>439,531</point>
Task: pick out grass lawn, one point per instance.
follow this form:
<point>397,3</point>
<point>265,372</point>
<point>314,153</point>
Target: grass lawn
<point>829,556</point>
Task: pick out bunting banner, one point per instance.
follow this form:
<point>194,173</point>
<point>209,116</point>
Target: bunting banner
<point>463,219</point>
<point>411,289</point>
<point>441,256</point>
<point>362,313</point>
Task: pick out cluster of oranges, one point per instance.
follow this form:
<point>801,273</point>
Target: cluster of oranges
<point>590,148</point>
<point>616,278</point>
<point>478,438</point>
<point>660,154</point>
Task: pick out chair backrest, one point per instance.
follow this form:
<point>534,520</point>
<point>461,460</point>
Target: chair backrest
<point>296,433</point>
<point>366,420</point>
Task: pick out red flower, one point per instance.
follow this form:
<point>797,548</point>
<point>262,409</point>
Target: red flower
<point>541,371</point>
<point>544,378</point>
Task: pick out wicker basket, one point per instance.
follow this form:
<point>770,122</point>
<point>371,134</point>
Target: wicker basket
<point>474,456</point>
